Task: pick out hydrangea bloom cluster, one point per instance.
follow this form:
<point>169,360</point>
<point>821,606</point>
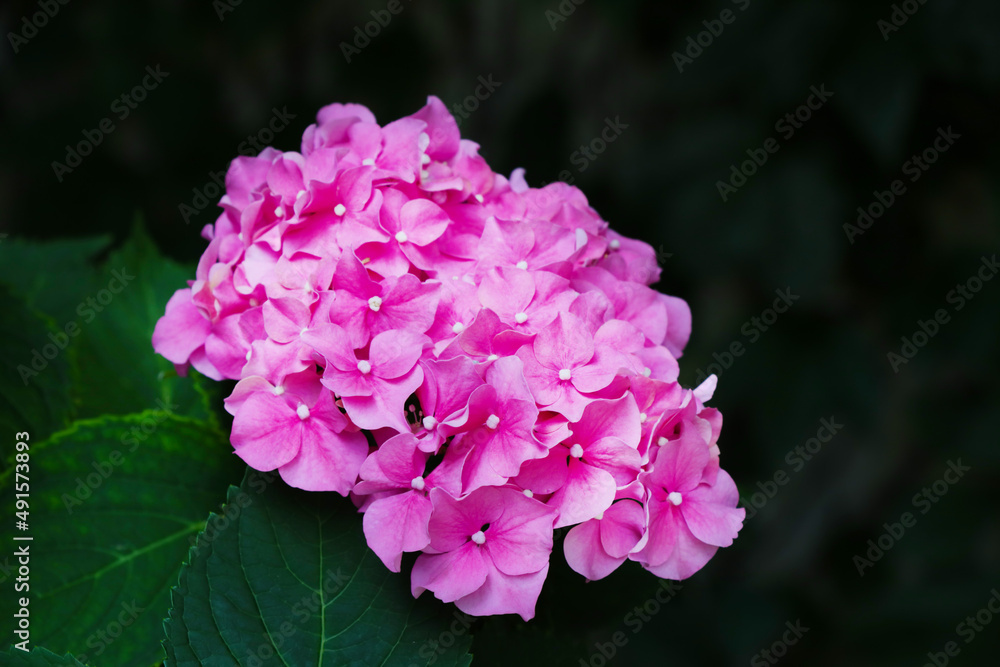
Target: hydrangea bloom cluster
<point>475,362</point>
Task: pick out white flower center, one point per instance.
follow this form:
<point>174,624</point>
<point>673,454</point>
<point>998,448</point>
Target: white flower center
<point>528,493</point>
<point>368,162</point>
<point>417,483</point>
<point>339,209</point>
<point>365,366</point>
<point>522,265</point>
<point>458,327</point>
<point>615,244</point>
<point>478,197</point>
<point>565,374</point>
<point>643,417</point>
<point>479,537</point>
<point>492,357</point>
<point>674,498</point>
<point>430,422</point>
<point>248,354</point>
<point>492,421</point>
<point>401,237</point>
<point>278,391</point>
<point>279,211</point>
<point>375,303</point>
<point>647,371</point>
<point>576,451</point>
<point>521,318</point>
<point>662,441</point>
<point>599,516</point>
<point>303,412</point>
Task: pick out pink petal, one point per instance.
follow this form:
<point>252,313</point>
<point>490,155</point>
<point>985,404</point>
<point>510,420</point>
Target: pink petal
<point>450,575</point>
<point>505,594</point>
<point>588,492</point>
<point>622,527</point>
<point>584,553</point>
<point>396,524</point>
<point>182,330</point>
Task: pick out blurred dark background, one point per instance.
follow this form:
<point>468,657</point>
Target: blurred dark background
<point>560,73</point>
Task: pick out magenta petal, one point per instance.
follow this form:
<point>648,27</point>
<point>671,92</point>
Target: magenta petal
<point>618,419</point>
<point>267,433</point>
<point>622,528</point>
<point>679,463</point>
<point>713,524</point>
<point>450,575</point>
<point>181,330</point>
<point>520,540</point>
<point>396,524</point>
<point>326,461</point>
<point>614,456</point>
<point>505,594</point>
<point>588,492</point>
<point>395,463</point>
<point>665,522</point>
<point>711,512</point>
<point>422,221</point>
<point>394,353</point>
<point>687,557</point>
<point>584,553</point>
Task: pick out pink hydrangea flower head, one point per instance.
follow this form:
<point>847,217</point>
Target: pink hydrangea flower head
<point>476,362</point>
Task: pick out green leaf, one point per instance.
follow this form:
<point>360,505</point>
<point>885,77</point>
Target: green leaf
<point>34,389</point>
<point>117,371</point>
<point>284,577</point>
<point>115,504</point>
<point>53,276</point>
<point>38,657</point>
